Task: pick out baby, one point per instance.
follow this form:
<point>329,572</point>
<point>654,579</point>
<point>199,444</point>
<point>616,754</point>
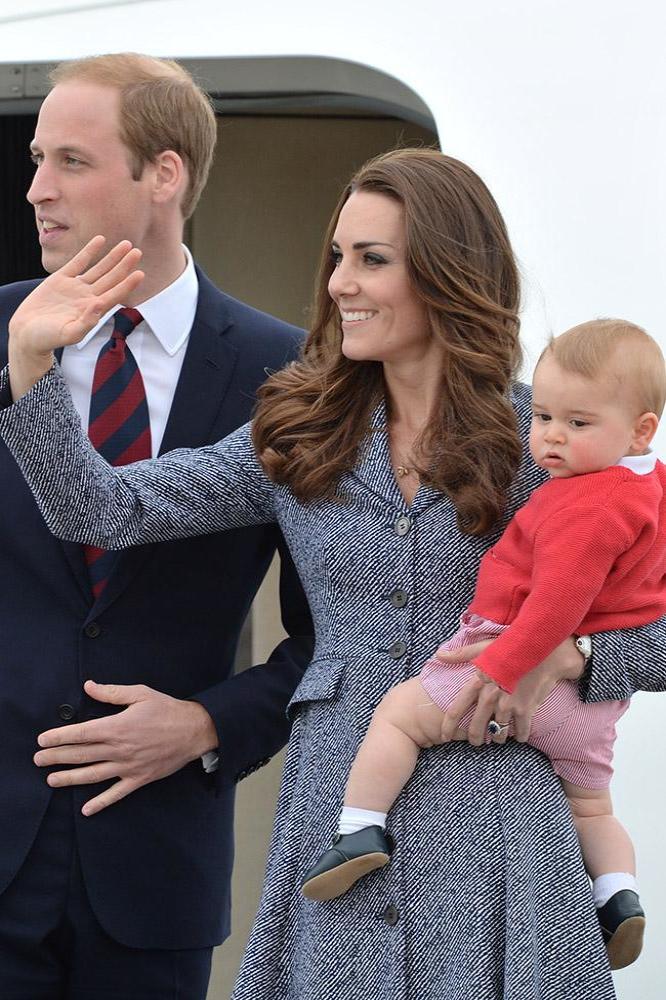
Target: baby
<point>586,554</point>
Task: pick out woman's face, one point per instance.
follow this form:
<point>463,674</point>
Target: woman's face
<point>382,317</point>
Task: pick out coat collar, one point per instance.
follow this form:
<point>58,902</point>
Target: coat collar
<point>374,469</point>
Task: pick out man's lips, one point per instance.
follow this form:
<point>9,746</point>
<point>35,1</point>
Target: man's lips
<point>49,231</point>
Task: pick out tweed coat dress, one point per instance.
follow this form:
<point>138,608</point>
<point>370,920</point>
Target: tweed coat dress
<point>485,897</point>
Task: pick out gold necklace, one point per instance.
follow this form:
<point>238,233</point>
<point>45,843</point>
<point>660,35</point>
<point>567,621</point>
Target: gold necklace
<point>403,470</point>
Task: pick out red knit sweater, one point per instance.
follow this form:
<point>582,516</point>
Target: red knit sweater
<point>585,554</point>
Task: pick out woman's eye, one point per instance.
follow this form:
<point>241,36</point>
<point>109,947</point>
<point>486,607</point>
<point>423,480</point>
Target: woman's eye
<point>374,259</point>
<point>336,257</point>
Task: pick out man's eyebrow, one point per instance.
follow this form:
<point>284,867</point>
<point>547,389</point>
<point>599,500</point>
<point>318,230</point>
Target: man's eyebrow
<point>364,244</point>
<point>75,150</point>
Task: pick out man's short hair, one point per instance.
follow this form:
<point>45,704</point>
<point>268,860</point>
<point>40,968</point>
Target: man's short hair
<point>161,107</point>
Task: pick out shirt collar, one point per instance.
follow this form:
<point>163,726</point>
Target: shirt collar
<point>169,314</point>
<point>640,464</point>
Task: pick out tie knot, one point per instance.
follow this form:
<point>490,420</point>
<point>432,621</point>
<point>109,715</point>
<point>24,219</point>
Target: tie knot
<point>124,321</point>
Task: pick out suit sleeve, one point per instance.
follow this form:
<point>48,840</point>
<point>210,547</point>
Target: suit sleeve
<point>249,710</point>
<point>84,499</point>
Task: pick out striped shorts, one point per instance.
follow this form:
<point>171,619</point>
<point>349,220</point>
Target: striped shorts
<point>576,736</point>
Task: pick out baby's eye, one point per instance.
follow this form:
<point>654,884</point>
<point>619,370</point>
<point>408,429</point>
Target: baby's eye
<point>542,418</point>
<point>579,423</point>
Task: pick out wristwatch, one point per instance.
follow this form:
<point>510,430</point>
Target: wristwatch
<point>584,647</point>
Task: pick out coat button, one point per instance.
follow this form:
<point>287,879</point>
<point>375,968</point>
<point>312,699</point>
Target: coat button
<point>398,598</point>
<point>397,650</point>
<point>92,630</point>
<point>66,712</point>
<point>402,525</point>
<point>391,915</point>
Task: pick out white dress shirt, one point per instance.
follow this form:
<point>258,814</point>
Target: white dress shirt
<point>158,344</point>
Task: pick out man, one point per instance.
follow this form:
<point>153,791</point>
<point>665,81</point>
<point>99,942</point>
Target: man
<point>114,883</point>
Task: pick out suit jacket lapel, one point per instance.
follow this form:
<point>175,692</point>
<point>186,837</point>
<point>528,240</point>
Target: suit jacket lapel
<point>204,381</point>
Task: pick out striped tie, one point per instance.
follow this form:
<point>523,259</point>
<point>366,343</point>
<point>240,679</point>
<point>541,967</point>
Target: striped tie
<point>119,425</point>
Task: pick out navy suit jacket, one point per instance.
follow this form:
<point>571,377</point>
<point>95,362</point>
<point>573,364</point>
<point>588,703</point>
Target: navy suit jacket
<point>157,865</point>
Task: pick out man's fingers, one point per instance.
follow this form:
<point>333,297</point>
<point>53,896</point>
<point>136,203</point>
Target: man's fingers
<point>83,775</point>
<point>77,753</point>
<point>113,794</point>
<point>109,261</point>
<point>125,267</point>
<point>116,694</point>
<point>81,261</point>
<point>82,732</point>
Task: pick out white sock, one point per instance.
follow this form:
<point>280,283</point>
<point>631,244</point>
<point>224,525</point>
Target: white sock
<point>607,885</point>
<point>352,820</point>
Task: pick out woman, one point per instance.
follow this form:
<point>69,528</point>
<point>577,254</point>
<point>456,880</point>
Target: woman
<point>391,457</point>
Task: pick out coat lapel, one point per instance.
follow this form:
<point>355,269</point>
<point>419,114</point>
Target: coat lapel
<point>204,381</point>
<point>374,469</point>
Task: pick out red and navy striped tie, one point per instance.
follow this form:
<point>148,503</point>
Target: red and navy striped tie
<point>119,425</point>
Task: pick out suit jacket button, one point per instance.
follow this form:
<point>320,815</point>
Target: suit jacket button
<point>391,915</point>
<point>92,630</point>
<point>66,712</point>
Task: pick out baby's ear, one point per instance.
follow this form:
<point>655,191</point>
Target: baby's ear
<point>645,429</point>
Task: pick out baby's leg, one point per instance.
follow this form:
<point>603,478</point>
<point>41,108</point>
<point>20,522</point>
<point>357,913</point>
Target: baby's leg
<point>405,721</point>
<point>609,858</point>
<point>605,843</point>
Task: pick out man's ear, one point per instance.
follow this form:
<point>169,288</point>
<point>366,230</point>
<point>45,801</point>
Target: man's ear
<point>645,428</point>
<point>169,177</point>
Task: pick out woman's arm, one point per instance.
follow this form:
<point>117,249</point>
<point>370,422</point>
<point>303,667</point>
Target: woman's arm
<point>84,499</point>
<point>625,661</point>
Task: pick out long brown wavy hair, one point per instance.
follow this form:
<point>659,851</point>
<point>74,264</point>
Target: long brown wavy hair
<point>312,417</point>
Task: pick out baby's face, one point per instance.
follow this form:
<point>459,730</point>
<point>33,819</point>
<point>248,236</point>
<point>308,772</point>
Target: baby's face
<point>579,425</point>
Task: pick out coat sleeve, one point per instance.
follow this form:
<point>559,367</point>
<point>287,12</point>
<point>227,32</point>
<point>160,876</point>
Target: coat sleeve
<point>626,661</point>
<point>84,499</point>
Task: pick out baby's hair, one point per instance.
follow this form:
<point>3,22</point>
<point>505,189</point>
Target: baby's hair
<point>619,349</point>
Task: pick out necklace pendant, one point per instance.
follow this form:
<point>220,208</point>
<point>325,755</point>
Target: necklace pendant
<point>402,471</point>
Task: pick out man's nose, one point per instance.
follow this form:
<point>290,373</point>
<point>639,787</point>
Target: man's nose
<point>43,187</point>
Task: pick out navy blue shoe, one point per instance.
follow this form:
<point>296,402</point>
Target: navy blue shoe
<point>352,856</point>
<point>622,923</point>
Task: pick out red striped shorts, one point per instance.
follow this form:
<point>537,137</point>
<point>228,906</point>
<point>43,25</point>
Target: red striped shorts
<point>577,737</point>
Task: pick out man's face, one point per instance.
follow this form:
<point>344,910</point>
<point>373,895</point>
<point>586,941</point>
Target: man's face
<point>83,184</point>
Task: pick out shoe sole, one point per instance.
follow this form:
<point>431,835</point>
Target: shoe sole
<point>627,943</point>
<point>331,884</point>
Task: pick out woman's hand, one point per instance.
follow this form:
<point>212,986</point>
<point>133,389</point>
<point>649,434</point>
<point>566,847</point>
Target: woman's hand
<point>65,306</point>
<point>565,662</point>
